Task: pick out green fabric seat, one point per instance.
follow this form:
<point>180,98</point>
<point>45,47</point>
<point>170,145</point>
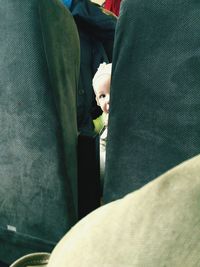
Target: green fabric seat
<point>154,103</point>
<point>39,69</point>
<point>156,226</point>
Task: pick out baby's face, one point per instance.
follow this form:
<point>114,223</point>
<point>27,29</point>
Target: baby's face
<point>102,92</point>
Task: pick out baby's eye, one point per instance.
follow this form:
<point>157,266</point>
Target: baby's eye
<point>102,96</point>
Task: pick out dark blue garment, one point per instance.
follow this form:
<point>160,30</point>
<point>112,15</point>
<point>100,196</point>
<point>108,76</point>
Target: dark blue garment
<point>94,19</point>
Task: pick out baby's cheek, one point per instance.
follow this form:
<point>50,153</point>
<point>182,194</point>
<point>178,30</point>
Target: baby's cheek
<point>104,105</point>
<point>101,106</point>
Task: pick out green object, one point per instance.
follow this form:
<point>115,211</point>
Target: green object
<point>98,124</point>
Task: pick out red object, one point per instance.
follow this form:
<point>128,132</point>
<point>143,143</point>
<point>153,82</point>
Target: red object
<point>113,5</point>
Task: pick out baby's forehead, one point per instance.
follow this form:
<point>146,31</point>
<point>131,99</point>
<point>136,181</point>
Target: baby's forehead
<point>103,72</point>
<point>102,84</point>
<point>103,78</point>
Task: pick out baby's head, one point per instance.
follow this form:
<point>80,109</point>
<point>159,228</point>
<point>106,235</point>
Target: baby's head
<point>101,85</point>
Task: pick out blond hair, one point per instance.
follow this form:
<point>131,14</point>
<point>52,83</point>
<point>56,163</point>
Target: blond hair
<point>103,69</point>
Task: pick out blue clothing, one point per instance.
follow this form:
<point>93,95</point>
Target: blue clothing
<point>67,3</point>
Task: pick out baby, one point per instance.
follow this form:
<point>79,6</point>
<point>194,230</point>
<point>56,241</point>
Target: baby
<point>101,85</point>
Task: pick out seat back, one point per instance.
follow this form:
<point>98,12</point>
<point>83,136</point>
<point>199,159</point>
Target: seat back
<point>38,154</point>
<point>154,107</point>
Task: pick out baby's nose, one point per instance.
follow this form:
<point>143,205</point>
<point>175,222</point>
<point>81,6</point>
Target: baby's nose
<point>108,102</point>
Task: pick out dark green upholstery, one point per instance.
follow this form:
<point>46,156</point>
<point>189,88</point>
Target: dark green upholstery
<point>38,125</point>
<point>62,47</point>
<point>154,109</point>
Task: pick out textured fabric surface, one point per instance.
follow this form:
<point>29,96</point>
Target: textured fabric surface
<point>62,47</point>
<point>156,226</point>
<point>32,260</point>
<point>36,195</point>
<point>154,115</point>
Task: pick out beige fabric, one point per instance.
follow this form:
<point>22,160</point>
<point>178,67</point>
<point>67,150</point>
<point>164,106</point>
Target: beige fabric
<point>156,226</point>
<point>38,259</point>
<point>100,2</point>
